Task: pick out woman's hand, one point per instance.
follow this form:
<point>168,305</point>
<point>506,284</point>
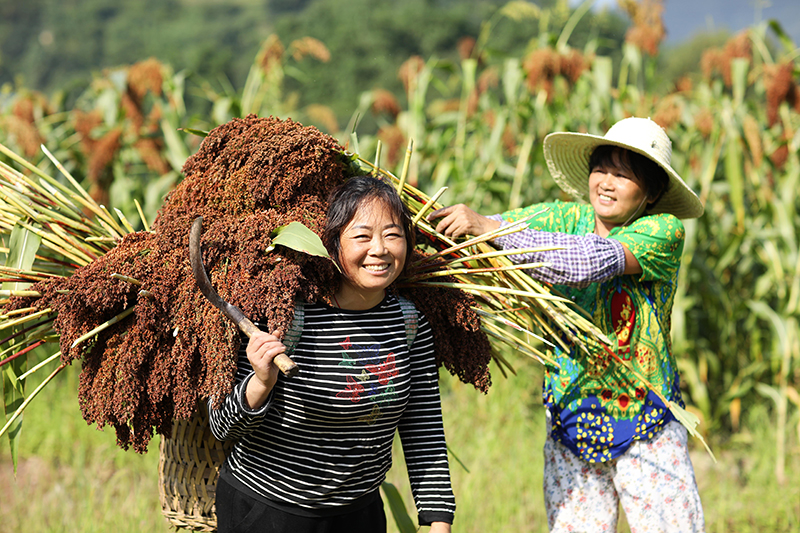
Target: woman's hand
<point>459,220</point>
<point>440,527</point>
<point>261,350</point>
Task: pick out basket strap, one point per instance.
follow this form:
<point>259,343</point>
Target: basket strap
<point>410,318</point>
<point>296,328</point>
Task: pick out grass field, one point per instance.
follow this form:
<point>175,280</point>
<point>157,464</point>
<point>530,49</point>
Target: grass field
<point>73,478</point>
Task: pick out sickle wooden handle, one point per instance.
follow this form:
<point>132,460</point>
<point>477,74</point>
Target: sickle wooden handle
<point>282,361</point>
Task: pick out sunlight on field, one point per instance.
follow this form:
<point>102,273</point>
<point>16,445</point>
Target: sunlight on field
<point>74,478</point>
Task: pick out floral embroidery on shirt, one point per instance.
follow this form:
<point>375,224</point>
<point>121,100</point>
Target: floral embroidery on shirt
<point>385,371</point>
<point>368,366</point>
<point>623,316</point>
<point>352,391</point>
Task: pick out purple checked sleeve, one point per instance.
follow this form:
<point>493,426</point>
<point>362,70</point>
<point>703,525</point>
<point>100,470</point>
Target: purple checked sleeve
<point>583,259</point>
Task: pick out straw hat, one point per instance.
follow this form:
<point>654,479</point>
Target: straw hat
<point>568,154</point>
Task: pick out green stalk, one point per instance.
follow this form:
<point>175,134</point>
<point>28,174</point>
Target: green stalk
<point>30,398</point>
<point>40,365</point>
<point>48,241</point>
<point>378,153</point>
<point>480,289</point>
<point>76,244</point>
<point>477,258</point>
<point>472,270</point>
<point>518,345</point>
<point>4,293</point>
<point>85,199</point>
<point>123,277</point>
<point>513,325</point>
<point>145,225</point>
<point>480,239</point>
<point>428,205</point>
<point>406,162</point>
<point>124,221</point>
<point>16,312</point>
<point>103,326</point>
<point>26,318</point>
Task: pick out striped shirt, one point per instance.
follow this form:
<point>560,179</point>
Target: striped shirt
<point>322,443</point>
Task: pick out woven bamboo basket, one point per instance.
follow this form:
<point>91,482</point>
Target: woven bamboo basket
<point>188,468</point>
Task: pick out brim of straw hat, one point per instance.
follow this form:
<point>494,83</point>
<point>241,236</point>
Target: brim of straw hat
<point>567,155</point>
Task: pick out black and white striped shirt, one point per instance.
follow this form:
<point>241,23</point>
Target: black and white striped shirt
<point>323,440</point>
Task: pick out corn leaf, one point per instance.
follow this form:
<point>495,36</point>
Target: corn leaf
<point>401,518</point>
<point>298,237</point>
<point>23,245</point>
<point>690,422</point>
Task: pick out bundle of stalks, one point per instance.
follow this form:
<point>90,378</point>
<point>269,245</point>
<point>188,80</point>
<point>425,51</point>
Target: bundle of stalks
<point>512,304</point>
<point>506,295</point>
<point>125,302</point>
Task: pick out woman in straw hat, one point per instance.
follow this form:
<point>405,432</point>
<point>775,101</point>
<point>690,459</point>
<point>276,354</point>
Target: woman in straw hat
<point>611,440</point>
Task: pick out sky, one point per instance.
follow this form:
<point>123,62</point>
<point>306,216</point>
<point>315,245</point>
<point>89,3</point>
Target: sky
<point>685,18</point>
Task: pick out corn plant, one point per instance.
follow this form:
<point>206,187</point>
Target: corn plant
<point>477,127</point>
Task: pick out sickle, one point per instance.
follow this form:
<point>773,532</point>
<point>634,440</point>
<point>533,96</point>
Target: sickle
<point>282,361</point>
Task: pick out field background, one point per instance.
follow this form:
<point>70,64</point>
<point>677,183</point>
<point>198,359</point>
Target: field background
<point>112,88</point>
<point>73,478</point>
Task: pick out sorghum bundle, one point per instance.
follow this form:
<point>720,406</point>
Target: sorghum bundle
<point>249,177</point>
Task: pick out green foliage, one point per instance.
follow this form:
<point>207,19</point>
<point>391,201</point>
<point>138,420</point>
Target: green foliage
<point>477,126</point>
<point>55,44</point>
<point>683,59</point>
<point>73,477</point>
<point>401,518</point>
<point>478,129</point>
<point>23,245</point>
<point>298,237</point>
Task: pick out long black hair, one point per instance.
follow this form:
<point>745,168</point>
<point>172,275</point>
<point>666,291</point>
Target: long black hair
<point>345,200</point>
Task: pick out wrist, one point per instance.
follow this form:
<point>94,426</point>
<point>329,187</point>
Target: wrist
<point>257,391</point>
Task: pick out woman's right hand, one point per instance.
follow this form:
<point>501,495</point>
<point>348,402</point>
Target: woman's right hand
<point>459,220</point>
<point>261,350</point>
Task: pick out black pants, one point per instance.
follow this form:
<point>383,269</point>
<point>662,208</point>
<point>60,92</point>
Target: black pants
<point>239,513</point>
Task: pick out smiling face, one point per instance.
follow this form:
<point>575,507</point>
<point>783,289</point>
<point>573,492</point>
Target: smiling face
<point>616,193</point>
<point>372,253</point>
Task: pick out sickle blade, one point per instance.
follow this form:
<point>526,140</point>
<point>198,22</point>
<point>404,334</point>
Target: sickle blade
<point>282,361</point>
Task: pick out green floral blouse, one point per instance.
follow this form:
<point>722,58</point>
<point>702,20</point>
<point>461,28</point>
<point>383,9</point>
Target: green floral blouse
<point>597,408</point>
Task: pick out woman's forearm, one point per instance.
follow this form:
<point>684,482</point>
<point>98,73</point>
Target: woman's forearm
<point>576,260</point>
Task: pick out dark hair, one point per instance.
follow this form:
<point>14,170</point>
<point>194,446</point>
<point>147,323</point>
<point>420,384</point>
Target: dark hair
<point>345,200</point>
<point>654,178</point>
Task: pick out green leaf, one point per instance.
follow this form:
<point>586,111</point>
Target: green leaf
<point>298,237</point>
<point>199,133</point>
<point>23,245</point>
<point>733,172</point>
<point>13,396</point>
<point>769,391</point>
<point>398,507</point>
<point>690,422</point>
<point>176,152</point>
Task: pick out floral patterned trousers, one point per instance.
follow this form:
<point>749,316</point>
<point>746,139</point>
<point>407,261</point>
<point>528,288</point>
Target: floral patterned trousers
<point>654,480</point>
